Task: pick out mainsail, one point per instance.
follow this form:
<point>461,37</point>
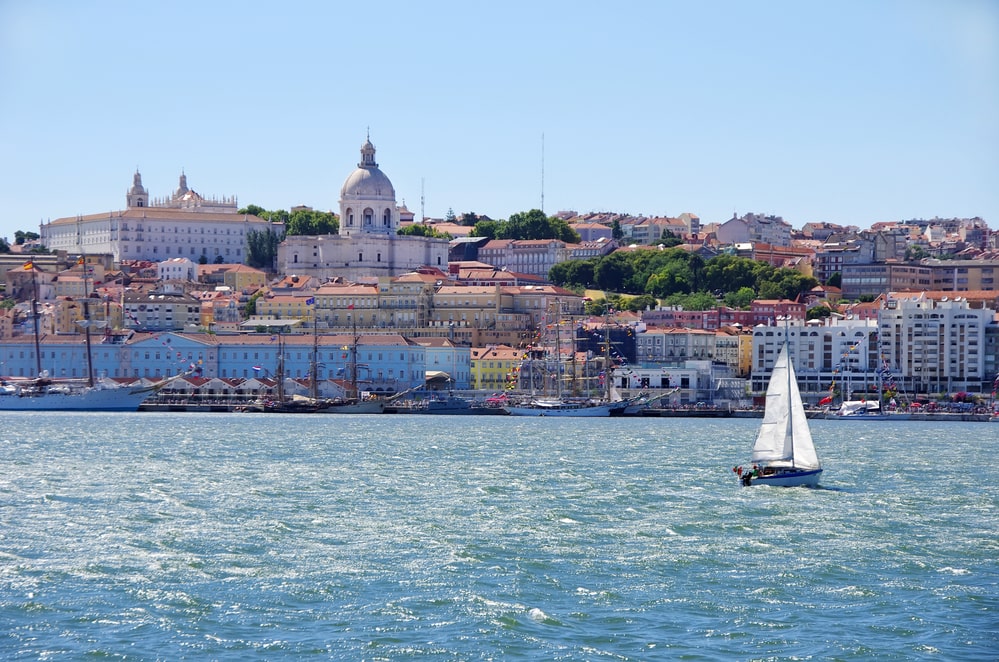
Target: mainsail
<point>784,438</point>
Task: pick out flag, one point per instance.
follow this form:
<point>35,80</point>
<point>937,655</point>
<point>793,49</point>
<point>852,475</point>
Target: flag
<point>79,260</point>
<point>310,301</point>
<point>350,307</point>
<point>257,368</point>
<point>29,265</point>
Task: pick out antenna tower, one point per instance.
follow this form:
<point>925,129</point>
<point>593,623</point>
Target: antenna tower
<point>542,171</point>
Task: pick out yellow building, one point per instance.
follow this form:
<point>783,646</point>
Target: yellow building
<point>493,367</point>
<point>242,278</point>
<point>284,306</point>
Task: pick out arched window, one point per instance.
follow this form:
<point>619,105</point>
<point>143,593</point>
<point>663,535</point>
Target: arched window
<point>350,217</point>
<point>368,215</point>
<point>386,218</point>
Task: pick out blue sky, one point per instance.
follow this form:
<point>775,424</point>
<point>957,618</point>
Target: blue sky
<point>851,111</point>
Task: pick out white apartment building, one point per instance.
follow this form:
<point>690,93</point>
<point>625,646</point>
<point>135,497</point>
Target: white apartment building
<point>841,351</point>
<point>938,345</point>
<point>177,268</point>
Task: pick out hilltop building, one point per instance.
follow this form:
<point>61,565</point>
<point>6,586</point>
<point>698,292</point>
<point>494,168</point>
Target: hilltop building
<point>367,244</point>
<point>185,224</point>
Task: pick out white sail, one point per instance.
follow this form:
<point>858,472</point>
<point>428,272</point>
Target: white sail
<point>784,438</point>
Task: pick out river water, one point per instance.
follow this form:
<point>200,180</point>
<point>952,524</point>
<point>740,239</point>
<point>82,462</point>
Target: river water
<point>236,536</point>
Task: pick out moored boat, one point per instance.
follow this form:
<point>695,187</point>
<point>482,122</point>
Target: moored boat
<point>582,408</point>
<point>61,395</point>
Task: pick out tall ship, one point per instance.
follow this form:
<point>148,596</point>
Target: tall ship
<point>45,393</point>
<point>610,404</point>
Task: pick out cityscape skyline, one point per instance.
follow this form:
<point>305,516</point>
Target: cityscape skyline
<point>852,114</point>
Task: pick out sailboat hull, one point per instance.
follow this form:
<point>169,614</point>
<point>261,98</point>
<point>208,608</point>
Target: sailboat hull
<point>566,409</point>
<point>788,478</point>
<point>77,399</point>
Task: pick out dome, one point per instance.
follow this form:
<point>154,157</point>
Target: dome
<point>367,182</point>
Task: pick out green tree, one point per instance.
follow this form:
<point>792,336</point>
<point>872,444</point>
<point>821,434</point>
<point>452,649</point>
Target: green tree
<point>20,237</point>
<point>469,219</point>
<point>728,273</point>
<point>489,229</point>
<point>312,223</point>
<point>250,308</point>
<point>642,302</point>
<point>4,246</point>
<point>915,252</point>
<point>421,230</point>
<point>786,284</point>
<point>276,216</point>
<point>534,224</point>
<point>574,273</point>
<point>694,301</point>
<point>835,280</point>
<point>203,259</point>
<point>668,239</point>
<point>219,259</point>
<point>741,299</point>
<point>253,210</point>
<point>261,248</point>
<point>449,217</point>
<point>616,231</point>
<point>613,271</point>
<point>817,312</point>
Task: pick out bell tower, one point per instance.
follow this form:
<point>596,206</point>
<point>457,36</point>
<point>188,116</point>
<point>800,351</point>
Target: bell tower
<point>137,195</point>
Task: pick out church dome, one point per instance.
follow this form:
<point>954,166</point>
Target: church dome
<point>367,182</point>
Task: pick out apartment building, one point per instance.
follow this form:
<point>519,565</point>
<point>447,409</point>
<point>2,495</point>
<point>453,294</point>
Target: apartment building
<point>937,345</point>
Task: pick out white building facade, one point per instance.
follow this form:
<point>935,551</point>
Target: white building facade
<point>185,224</point>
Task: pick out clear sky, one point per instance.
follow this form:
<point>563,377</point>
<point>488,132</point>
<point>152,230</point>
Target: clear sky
<point>854,111</point>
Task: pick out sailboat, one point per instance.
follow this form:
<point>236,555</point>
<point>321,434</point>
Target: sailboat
<point>783,454</point>
<point>609,405</point>
<point>45,393</point>
<point>353,403</point>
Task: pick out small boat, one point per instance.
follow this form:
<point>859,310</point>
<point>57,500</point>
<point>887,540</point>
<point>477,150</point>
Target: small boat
<point>583,408</point>
<point>370,405</point>
<point>858,410</point>
<point>451,405</point>
<point>783,454</point>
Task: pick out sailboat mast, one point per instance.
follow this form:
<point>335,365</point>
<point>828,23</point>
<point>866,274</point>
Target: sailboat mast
<point>558,349</point>
<point>354,393</point>
<point>608,372</point>
<point>90,358</point>
<point>280,367</point>
<point>790,403</point>
<point>34,314</point>
<point>315,356</point>
<point>86,315</point>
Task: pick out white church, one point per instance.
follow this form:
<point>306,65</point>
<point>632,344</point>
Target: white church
<point>367,244</point>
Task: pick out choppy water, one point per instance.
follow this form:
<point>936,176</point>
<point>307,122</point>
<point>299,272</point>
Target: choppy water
<point>169,536</point>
